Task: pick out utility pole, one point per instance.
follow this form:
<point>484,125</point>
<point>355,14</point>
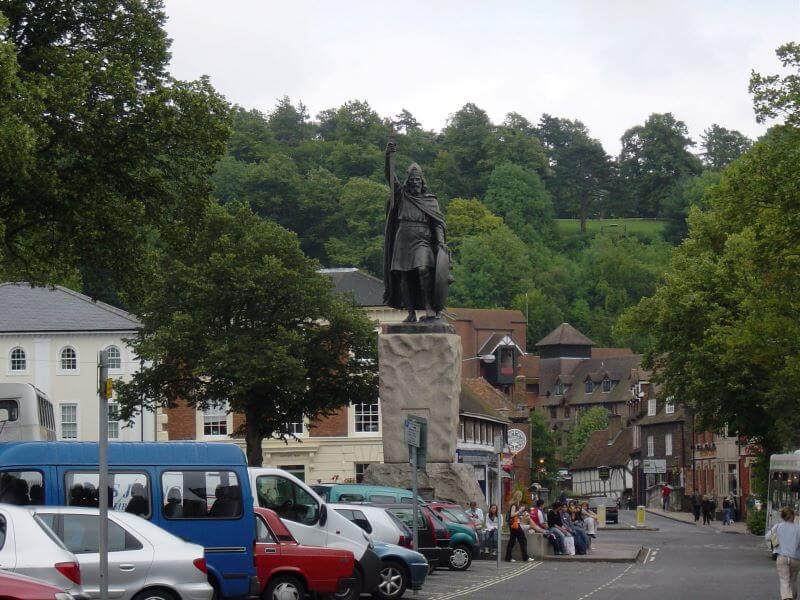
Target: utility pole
<point>104,391</point>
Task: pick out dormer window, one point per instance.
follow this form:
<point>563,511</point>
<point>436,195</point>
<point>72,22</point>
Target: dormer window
<point>651,407</point>
<point>559,389</point>
<point>588,386</point>
<point>606,385</point>
<point>669,406</point>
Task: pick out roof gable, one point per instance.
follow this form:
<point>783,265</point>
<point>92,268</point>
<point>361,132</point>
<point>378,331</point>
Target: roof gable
<point>598,452</point>
<point>565,335</point>
<point>366,289</point>
<point>29,309</point>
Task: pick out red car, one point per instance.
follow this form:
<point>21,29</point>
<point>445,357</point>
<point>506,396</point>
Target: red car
<point>287,571</point>
<point>19,587</point>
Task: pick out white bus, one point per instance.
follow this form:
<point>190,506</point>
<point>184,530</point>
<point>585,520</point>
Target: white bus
<point>783,488</point>
<point>29,413</point>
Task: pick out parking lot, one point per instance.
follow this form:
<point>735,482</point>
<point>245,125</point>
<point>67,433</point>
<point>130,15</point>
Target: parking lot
<point>443,584</point>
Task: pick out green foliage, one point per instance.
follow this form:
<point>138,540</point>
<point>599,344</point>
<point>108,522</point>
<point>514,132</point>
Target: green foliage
<point>757,522</point>
<point>543,449</point>
<point>686,193</point>
<point>466,218</point>
<point>592,420</point>
<point>774,95</point>
<point>722,146</point>
<point>643,228</point>
<point>518,195</point>
<point>241,314</point>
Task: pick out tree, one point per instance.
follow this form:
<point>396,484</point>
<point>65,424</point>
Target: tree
<point>468,138</point>
<point>654,157</point>
<point>354,122</point>
<point>722,146</point>
<point>774,95</point>
<point>289,124</point>
<point>686,193</point>
<point>722,331</point>
<point>519,196</point>
<point>242,317</point>
<point>405,122</point>
<point>592,420</point>
<point>541,311</point>
<point>108,152</point>
<point>515,141</point>
<point>466,218</point>
<point>543,449</point>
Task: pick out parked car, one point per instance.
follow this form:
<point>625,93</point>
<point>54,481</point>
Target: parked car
<point>20,587</point>
<point>612,511</point>
<point>197,491</point>
<point>142,557</point>
<point>288,570</point>
<point>28,547</point>
<point>464,538</point>
<point>360,492</point>
<point>401,569</point>
<point>432,534</point>
<point>380,524</point>
<point>312,523</point>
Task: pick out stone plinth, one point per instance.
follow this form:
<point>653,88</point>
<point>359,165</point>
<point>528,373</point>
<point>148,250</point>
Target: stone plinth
<point>443,481</point>
<point>420,374</point>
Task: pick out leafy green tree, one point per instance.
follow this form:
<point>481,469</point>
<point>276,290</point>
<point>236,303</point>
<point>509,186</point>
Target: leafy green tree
<point>592,420</point>
<point>241,316</point>
<point>250,140</point>
<point>774,95</point>
<point>519,196</point>
<point>515,142</point>
<point>289,124</point>
<point>723,333</point>
<point>467,218</point>
<point>319,216</point>
<point>354,122</point>
<point>272,189</point>
<point>543,449</point>
<point>542,313</point>
<point>405,122</point>
<point>492,269</point>
<point>105,151</point>
<point>654,157</point>
<point>468,138</point>
<point>722,146</point>
<point>688,192</point>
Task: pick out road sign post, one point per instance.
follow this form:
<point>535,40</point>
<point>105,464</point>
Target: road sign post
<point>104,389</point>
<point>499,442</point>
<point>416,435</point>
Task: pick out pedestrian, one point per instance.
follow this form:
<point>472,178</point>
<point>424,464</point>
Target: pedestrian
<point>705,504</point>
<point>726,512</point>
<point>516,533</point>
<point>475,513</point>
<point>785,539</point>
<point>696,505</point>
<point>491,524</point>
<point>666,490</point>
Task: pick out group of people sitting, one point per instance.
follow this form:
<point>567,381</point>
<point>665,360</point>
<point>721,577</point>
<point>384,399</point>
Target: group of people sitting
<point>15,490</point>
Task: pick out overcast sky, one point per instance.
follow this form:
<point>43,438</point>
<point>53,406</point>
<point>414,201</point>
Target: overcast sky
<point>608,63</point>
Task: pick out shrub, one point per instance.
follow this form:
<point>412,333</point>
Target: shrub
<point>757,521</point>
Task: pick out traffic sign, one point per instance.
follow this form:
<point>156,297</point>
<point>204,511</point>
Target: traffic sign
<point>413,433</point>
<point>654,465</point>
<point>603,472</point>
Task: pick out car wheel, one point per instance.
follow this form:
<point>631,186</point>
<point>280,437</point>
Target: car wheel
<point>284,587</point>
<point>460,558</point>
<point>354,591</point>
<point>393,581</point>
<point>154,594</point>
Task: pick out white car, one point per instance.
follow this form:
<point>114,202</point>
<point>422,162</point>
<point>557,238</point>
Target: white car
<point>29,547</point>
<point>376,521</point>
<point>144,561</point>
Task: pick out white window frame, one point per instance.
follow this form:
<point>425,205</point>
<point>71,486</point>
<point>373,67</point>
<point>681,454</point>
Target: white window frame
<point>354,420</point>
<point>652,406</point>
<point>11,370</point>
<point>668,444</point>
<point>115,370</point>
<point>651,446</point>
<point>669,406</point>
<point>637,436</point>
<point>61,370</point>
<point>113,409</point>
<point>221,415</point>
<point>61,421</point>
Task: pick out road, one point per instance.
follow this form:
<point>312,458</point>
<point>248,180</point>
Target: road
<point>683,562</point>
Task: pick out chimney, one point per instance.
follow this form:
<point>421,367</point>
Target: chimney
<point>614,427</point>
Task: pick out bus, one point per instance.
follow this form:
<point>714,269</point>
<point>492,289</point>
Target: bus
<point>783,488</point>
<point>29,414</point>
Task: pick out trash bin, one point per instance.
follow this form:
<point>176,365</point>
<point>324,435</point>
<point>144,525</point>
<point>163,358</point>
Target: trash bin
<point>640,516</point>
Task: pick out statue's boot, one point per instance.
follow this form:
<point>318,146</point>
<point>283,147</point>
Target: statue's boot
<point>426,286</point>
<point>408,298</point>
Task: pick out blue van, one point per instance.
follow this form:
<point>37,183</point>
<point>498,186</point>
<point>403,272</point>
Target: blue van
<point>197,491</point>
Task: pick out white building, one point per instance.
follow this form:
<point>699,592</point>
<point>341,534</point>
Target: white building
<point>50,337</point>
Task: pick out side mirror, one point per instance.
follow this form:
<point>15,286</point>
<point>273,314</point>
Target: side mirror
<point>323,514</point>
<point>4,416</point>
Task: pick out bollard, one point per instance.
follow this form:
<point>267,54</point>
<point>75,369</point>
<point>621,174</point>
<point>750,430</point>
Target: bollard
<point>601,515</point>
<point>640,516</point>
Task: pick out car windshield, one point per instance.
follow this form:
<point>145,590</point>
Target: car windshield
<point>457,515</point>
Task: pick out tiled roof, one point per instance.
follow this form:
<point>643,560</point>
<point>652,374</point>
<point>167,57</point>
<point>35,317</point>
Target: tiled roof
<point>26,309</point>
<point>478,397</point>
<point>565,335</point>
<point>495,340</point>
<point>365,288</point>
<point>483,318</point>
<point>608,352</point>
<point>599,453</point>
<point>529,365</point>
<point>618,368</point>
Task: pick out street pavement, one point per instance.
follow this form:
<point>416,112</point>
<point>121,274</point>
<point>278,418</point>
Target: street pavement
<point>681,561</point>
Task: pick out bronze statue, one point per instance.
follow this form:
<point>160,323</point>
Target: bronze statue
<point>416,260</point>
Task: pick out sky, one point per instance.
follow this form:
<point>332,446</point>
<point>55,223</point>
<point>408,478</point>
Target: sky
<point>608,63</point>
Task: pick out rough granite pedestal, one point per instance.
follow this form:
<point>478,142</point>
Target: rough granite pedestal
<point>420,374</point>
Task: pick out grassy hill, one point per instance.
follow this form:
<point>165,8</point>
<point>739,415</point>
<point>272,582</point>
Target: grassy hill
<point>649,227</point>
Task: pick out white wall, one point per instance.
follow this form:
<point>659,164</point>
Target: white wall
<point>587,482</point>
<point>79,387</point>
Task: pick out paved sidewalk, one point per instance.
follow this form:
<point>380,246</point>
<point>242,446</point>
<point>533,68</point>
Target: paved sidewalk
<point>683,517</point>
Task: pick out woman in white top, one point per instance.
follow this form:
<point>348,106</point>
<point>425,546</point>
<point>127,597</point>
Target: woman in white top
<point>787,535</point>
<point>491,524</point>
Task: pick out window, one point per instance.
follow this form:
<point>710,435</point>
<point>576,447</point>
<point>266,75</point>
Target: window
<point>588,386</point>
<point>668,444</point>
<point>567,411</point>
<point>406,516</point>
<point>130,492</point>
<point>12,407</point>
<point>294,428</point>
<point>470,430</point>
<point>69,421</point>
<point>21,487</point>
<point>361,468</point>
<point>81,533</point>
<point>462,432</point>
<point>113,420</point>
<point>69,359</point>
<point>287,499</point>
<point>606,385</point>
<point>382,499</point>
<point>559,391</point>
<point>367,418</point>
<point>263,533</point>
<point>114,358</point>
<point>651,407</point>
<point>298,471</point>
<point>553,413</point>
<point>19,364</point>
<point>669,407</point>
<point>637,436</point>
<point>651,451</point>
<point>215,420</point>
<point>201,495</point>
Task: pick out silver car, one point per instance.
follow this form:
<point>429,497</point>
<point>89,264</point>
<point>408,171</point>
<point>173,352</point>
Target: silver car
<point>144,561</point>
<point>29,548</point>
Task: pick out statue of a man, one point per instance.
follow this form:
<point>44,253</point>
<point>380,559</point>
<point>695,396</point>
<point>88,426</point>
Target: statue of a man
<point>416,260</point>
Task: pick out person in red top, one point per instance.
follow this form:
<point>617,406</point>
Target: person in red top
<point>666,490</point>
